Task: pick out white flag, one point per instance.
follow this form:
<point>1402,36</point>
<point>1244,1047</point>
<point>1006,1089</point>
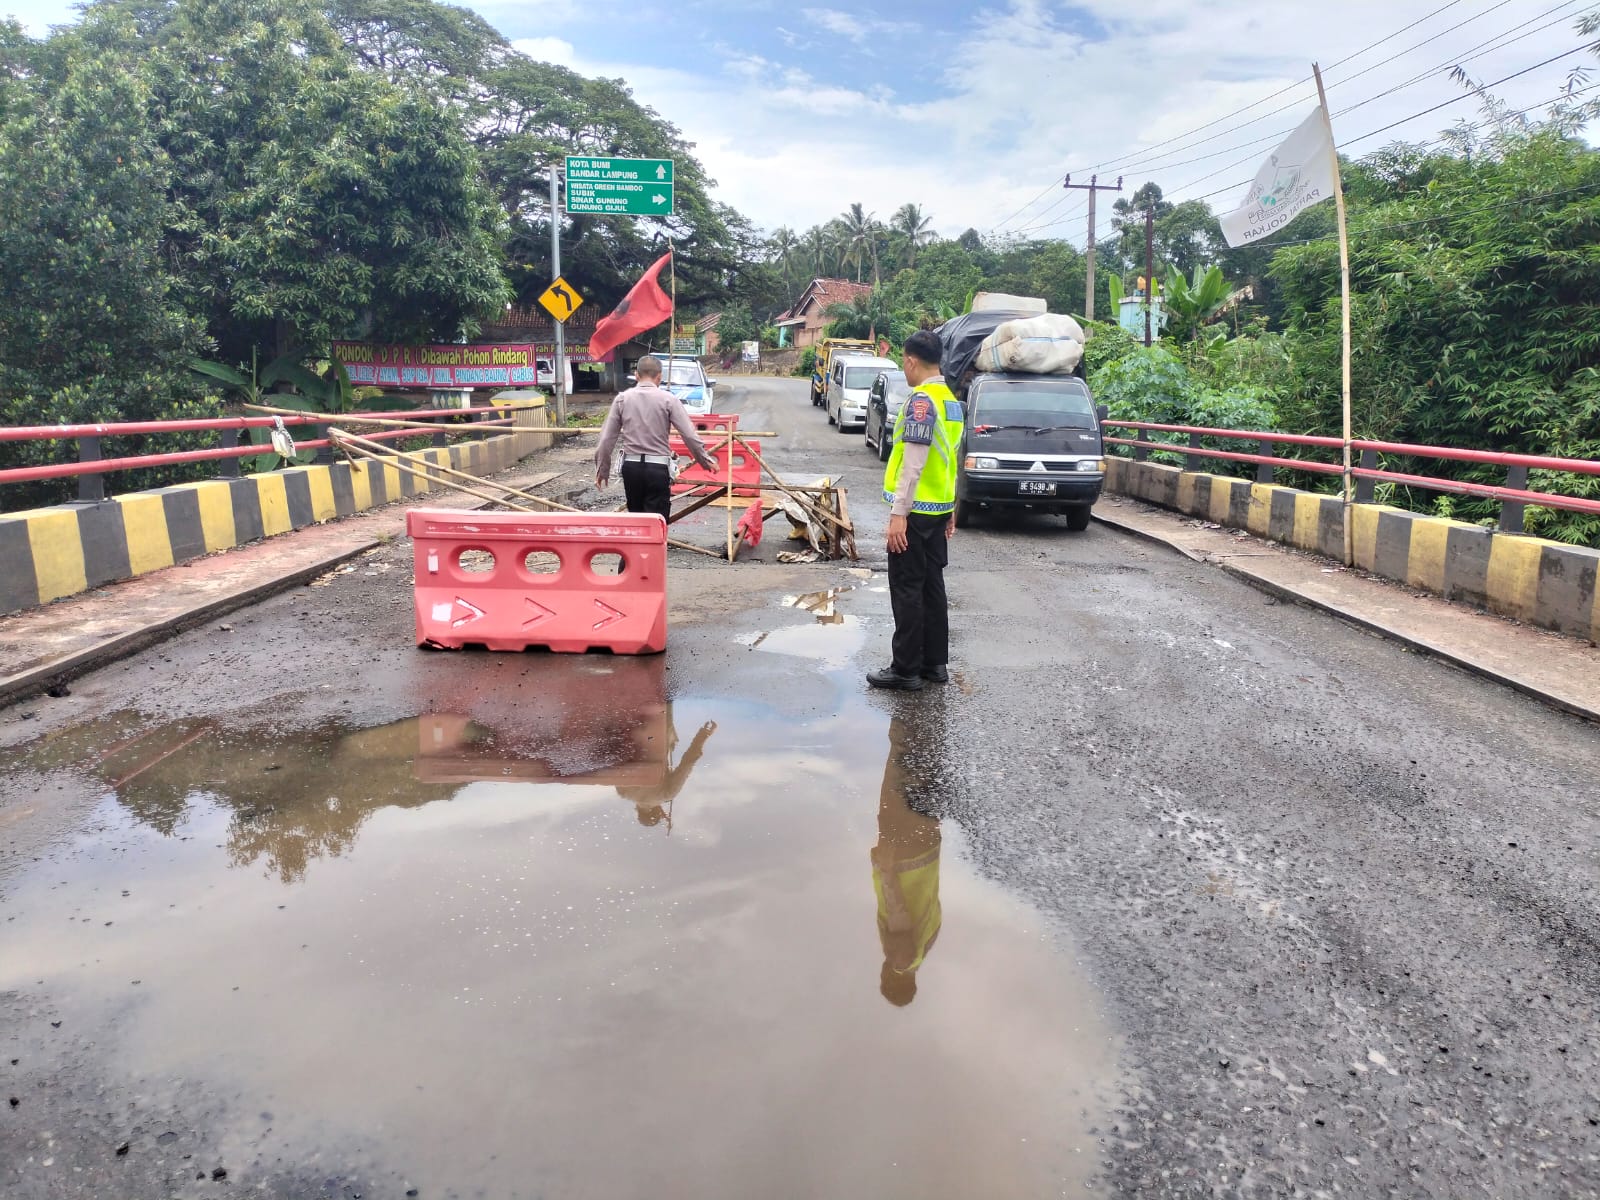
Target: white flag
<point>1295,176</point>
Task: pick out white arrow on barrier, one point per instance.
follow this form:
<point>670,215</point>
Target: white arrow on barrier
<point>612,619</point>
<point>472,614</point>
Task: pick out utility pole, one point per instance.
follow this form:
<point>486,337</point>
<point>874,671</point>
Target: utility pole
<point>1149,270</point>
<point>1094,185</point>
<point>560,363</point>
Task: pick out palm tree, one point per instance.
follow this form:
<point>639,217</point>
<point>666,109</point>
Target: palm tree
<point>864,315</point>
<point>860,236</point>
<point>912,228</point>
<point>818,246</point>
<point>785,247</point>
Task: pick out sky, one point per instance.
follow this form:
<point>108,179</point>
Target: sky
<point>977,112</point>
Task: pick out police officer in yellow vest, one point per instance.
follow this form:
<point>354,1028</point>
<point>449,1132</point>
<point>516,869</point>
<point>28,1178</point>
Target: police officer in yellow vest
<point>920,484</point>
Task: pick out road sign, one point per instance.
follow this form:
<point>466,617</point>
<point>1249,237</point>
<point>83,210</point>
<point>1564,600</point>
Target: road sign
<point>561,299</point>
<point>638,187</point>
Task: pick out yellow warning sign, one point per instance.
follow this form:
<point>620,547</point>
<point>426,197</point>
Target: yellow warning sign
<point>561,300</point>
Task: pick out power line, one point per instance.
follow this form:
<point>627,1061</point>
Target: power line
<point>1371,133</point>
<point>1290,87</point>
<point>1149,162</point>
<point>1562,95</point>
<point>1044,191</point>
<point>1498,42</point>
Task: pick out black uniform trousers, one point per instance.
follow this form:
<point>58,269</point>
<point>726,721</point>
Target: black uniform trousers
<point>648,487</point>
<point>917,595</point>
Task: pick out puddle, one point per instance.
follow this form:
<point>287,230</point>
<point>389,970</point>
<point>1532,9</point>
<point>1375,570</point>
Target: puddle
<point>834,639</point>
<point>589,940</point>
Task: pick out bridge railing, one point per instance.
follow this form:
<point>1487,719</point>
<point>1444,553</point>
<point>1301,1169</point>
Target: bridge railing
<point>1514,496</point>
<point>91,467</point>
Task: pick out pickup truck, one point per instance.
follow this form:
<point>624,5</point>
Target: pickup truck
<point>1031,441</point>
<point>827,350</point>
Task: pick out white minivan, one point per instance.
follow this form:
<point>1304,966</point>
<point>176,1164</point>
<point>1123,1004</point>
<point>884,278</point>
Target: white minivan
<point>849,382</point>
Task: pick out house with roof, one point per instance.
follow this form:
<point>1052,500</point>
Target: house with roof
<point>804,324</point>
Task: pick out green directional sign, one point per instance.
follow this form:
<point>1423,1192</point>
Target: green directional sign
<point>635,187</point>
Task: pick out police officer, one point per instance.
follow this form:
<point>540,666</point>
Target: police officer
<point>920,485</point>
<point>640,420</point>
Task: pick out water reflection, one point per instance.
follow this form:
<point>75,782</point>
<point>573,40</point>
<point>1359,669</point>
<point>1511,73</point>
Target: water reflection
<point>296,799</point>
<point>653,803</point>
<point>905,865</point>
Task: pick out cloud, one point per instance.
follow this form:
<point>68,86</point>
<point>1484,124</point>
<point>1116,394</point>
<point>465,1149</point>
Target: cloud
<point>548,49</point>
<point>858,27</point>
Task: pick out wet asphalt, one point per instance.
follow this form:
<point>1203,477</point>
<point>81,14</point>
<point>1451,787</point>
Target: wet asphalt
<point>1228,898</point>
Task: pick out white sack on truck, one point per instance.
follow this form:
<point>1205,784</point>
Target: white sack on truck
<point>1028,306</point>
<point>1051,344</point>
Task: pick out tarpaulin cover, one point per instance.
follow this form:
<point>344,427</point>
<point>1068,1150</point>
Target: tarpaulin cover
<point>962,337</point>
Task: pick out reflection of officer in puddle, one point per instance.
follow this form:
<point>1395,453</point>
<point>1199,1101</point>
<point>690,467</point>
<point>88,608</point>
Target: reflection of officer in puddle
<point>654,802</point>
<point>905,873</point>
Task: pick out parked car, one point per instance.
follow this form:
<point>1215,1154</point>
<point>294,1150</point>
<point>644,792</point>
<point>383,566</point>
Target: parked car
<point>826,351</point>
<point>545,372</point>
<point>849,381</point>
<point>884,401</point>
<point>686,379</point>
<point>1031,441</point>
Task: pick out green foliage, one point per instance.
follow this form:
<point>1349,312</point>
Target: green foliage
<point>736,326</point>
<point>1108,343</point>
<point>1191,305</point>
<point>92,323</point>
<point>1475,314</point>
<point>1154,384</point>
<point>807,365</point>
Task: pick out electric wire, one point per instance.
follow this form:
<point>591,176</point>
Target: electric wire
<point>1249,158</point>
<point>1148,163</point>
<point>1253,104</point>
<point>1475,52</point>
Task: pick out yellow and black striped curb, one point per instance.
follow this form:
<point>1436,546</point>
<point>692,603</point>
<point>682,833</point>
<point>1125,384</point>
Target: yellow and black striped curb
<point>49,553</point>
<point>1539,582</point>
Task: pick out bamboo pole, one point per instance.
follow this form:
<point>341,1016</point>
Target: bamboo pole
<point>378,452</point>
<point>420,426</point>
<point>1344,305</point>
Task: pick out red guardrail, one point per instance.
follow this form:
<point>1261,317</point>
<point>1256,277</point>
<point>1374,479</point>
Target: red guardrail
<point>1514,496</point>
<point>90,466</point>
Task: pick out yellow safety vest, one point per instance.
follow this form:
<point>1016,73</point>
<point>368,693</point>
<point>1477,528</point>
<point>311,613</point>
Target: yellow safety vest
<point>936,487</point>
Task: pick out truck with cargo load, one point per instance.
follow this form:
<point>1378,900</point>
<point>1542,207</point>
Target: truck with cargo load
<point>828,351</point>
<point>1032,436</point>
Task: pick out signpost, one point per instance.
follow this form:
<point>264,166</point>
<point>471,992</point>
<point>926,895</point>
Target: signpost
<point>635,187</point>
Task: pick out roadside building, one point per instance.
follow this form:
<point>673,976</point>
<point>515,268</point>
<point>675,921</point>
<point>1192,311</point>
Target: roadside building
<point>805,323</point>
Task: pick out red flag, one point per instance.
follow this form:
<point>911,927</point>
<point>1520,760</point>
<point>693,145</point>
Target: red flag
<point>643,308</point>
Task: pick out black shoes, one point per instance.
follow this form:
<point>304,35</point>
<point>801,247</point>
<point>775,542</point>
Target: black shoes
<point>894,681</point>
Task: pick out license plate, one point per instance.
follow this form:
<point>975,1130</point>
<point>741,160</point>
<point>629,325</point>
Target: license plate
<point>1037,487</point>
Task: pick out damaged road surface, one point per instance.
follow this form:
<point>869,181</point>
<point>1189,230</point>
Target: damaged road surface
<point>1173,891</point>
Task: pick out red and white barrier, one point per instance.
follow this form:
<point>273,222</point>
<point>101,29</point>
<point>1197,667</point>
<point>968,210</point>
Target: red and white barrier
<point>519,581</point>
<point>695,478</point>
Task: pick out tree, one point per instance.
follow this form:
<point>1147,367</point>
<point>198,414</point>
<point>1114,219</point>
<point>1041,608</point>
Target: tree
<point>92,320</point>
<point>785,248</point>
<point>910,229</point>
<point>312,199</point>
<point>860,235</point>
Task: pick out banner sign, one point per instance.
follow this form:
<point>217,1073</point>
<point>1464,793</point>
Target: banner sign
<point>449,366</point>
<point>1295,176</point>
